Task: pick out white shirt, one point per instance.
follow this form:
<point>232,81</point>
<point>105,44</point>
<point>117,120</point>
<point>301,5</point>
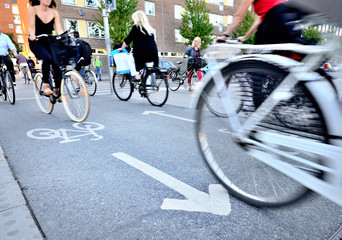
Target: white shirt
<point>5,44</point>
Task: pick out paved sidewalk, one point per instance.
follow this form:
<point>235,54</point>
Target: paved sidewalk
<point>16,221</point>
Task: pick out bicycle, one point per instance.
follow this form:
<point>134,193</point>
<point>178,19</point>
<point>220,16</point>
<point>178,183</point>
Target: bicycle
<point>257,157</point>
<point>24,70</point>
<point>73,91</point>
<point>6,83</point>
<point>178,78</point>
<point>90,79</point>
<point>153,85</point>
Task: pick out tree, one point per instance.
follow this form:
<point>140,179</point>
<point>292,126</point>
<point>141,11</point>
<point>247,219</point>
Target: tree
<point>119,21</point>
<point>244,26</point>
<point>312,34</point>
<point>195,23</point>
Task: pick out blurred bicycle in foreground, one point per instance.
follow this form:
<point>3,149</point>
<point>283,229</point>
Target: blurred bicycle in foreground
<point>277,133</point>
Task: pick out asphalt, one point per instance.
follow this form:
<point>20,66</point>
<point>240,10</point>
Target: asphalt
<point>16,219</point>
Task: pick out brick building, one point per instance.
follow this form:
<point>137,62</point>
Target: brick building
<point>6,19</point>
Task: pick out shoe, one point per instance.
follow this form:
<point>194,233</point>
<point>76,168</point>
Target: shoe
<point>47,91</point>
<point>190,89</point>
<point>14,84</point>
<point>100,80</point>
<point>135,80</point>
<point>60,99</point>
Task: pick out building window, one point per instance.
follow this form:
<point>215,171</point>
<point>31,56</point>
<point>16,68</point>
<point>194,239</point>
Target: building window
<point>91,3</point>
<point>7,6</point>
<point>20,39</point>
<point>17,20</point>
<point>94,31</point>
<point>18,29</point>
<point>178,36</point>
<point>178,12</point>
<point>215,2</point>
<point>149,8</point>
<point>10,25</point>
<point>221,5</point>
<point>215,19</point>
<point>71,25</point>
<point>15,10</point>
<point>229,19</point>
<point>69,2</point>
<point>231,3</point>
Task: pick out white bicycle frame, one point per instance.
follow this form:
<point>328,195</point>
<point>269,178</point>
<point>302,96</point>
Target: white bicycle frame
<point>326,97</point>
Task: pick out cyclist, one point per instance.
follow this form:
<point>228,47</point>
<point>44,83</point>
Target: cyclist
<point>144,46</point>
<point>22,62</point>
<point>274,24</point>
<point>5,44</point>
<point>194,52</point>
<point>43,19</point>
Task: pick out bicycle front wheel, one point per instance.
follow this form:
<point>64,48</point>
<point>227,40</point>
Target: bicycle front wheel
<point>123,88</point>
<point>3,88</point>
<point>43,101</point>
<point>156,89</point>
<point>174,80</point>
<point>75,96</point>
<point>91,82</point>
<point>244,176</point>
<point>9,88</point>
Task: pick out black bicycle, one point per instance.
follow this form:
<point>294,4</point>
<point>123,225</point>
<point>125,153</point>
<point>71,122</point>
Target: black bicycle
<point>153,85</point>
<point>6,83</point>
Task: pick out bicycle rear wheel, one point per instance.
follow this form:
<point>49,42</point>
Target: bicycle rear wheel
<point>43,101</point>
<point>91,82</point>
<point>26,77</point>
<point>3,88</point>
<point>244,176</point>
<point>75,96</point>
<point>174,80</point>
<point>123,88</point>
<point>9,88</point>
<point>156,89</point>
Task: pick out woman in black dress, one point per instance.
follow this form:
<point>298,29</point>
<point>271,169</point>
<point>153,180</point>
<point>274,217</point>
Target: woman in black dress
<point>144,46</point>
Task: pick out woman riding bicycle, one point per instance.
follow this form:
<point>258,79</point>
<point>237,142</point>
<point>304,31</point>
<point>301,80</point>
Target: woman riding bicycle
<point>274,24</point>
<point>194,52</point>
<point>43,19</point>
<point>144,46</point>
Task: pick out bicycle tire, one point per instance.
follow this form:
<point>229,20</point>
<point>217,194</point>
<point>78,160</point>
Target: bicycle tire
<point>10,92</point>
<point>123,87</point>
<point>174,81</point>
<point>3,88</point>
<point>43,101</point>
<point>26,77</point>
<point>244,177</point>
<point>157,90</point>
<point>91,82</point>
<point>75,97</point>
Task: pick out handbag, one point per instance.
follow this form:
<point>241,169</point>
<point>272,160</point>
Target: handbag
<point>63,49</point>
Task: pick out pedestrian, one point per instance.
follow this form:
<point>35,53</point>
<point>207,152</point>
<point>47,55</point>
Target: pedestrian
<point>84,53</point>
<point>275,22</point>
<point>194,52</point>
<point>144,46</point>
<point>98,66</point>
<point>43,19</point>
<point>5,44</point>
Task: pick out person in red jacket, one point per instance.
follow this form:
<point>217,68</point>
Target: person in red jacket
<point>274,22</point>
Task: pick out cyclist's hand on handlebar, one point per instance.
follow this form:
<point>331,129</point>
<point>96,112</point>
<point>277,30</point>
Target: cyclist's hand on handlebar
<point>120,49</point>
<point>33,37</point>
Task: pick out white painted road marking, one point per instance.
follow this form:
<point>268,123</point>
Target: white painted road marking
<point>161,113</point>
<point>216,202</point>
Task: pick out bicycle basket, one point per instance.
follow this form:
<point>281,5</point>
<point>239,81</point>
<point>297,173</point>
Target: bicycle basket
<point>196,63</point>
<point>63,49</point>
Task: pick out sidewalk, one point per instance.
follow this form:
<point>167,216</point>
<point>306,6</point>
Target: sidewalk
<point>16,221</point>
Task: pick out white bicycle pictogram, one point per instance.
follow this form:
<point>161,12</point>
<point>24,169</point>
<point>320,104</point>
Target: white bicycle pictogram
<point>68,135</point>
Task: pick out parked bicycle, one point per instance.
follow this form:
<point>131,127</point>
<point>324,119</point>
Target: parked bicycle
<point>73,91</point>
<point>281,133</point>
<point>6,83</point>
<point>177,77</point>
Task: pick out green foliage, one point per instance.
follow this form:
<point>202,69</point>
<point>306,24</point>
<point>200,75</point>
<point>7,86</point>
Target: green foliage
<point>312,34</point>
<point>17,46</point>
<point>244,26</point>
<point>120,21</point>
<point>195,23</point>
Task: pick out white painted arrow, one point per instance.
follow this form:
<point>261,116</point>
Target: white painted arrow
<point>168,115</point>
<point>216,202</point>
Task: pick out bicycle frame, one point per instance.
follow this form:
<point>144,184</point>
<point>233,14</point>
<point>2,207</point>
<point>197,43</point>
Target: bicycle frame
<point>326,97</point>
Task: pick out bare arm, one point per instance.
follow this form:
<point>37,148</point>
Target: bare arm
<point>252,30</point>
<point>124,45</point>
<point>238,17</point>
<point>58,27</point>
<point>32,23</point>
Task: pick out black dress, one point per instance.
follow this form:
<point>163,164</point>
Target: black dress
<point>144,47</point>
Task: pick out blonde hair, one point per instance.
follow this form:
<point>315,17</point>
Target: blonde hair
<point>141,20</point>
<point>193,42</point>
